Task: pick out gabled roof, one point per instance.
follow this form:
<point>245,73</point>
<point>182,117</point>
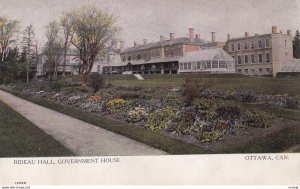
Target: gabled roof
<point>206,54</point>
<point>181,40</point>
<point>291,66</point>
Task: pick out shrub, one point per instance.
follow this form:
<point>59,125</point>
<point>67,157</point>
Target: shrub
<point>256,119</point>
<point>229,112</point>
<point>160,119</point>
<point>210,136</point>
<point>192,89</point>
<point>96,81</point>
<point>291,103</point>
<point>55,86</point>
<point>182,124</point>
<point>248,98</point>
<point>136,115</point>
<point>115,104</point>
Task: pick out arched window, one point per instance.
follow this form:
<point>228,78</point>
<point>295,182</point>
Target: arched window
<point>129,58</point>
<point>138,57</point>
<point>124,59</point>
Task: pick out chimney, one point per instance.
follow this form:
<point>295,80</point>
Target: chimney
<point>172,36</point>
<point>274,29</point>
<point>246,34</point>
<point>197,37</point>
<point>213,37</point>
<point>134,44</point>
<point>161,38</point>
<point>191,34</point>
<point>145,41</point>
<point>228,36</point>
<point>122,46</point>
<point>289,32</point>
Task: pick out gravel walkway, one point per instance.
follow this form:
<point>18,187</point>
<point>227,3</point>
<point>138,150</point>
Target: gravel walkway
<point>82,138</point>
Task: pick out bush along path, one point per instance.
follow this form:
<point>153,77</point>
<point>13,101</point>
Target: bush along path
<point>82,138</point>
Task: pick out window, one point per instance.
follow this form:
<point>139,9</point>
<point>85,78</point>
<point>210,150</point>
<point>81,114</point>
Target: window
<point>203,65</point>
<point>245,45</point>
<point>185,66</point>
<point>181,66</point>
<point>260,58</point>
<point>259,44</point>
<point>260,70</point>
<point>267,43</point>
<point>246,71</point>
<point>222,64</point>
<point>253,71</point>
<point>232,47</point>
<point>189,65</point>
<point>239,71</point>
<point>215,64</point>
<point>139,57</point>
<point>124,59</point>
<point>246,58</point>
<point>239,46</point>
<point>239,59</point>
<point>198,65</point>
<point>268,57</point>
<point>252,58</point>
<point>268,70</point>
<point>129,58</point>
<point>208,64</point>
<point>252,45</point>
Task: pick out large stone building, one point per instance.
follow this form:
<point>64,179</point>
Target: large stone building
<point>159,57</point>
<point>261,54</point>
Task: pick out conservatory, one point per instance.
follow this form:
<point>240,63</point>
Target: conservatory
<point>207,61</point>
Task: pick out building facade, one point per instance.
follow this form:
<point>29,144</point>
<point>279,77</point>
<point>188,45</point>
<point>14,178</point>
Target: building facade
<point>207,61</point>
<point>261,54</point>
<point>160,57</point>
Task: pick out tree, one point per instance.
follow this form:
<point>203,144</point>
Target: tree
<point>7,29</point>
<point>65,22</point>
<point>53,48</point>
<point>92,31</point>
<point>296,45</point>
<point>28,50</point>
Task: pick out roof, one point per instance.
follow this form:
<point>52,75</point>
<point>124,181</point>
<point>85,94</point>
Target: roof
<point>206,54</point>
<point>181,40</point>
<point>291,66</point>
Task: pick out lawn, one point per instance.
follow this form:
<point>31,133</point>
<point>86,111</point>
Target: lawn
<point>263,85</point>
<point>20,138</point>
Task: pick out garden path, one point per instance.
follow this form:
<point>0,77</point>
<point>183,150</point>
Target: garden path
<point>82,138</point>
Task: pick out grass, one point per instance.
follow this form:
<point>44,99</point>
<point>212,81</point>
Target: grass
<point>152,138</point>
<point>262,85</point>
<point>20,138</point>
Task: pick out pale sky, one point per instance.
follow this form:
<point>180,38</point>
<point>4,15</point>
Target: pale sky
<point>148,19</point>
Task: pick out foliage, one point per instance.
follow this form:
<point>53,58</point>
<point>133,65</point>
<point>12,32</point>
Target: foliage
<point>7,30</point>
<point>296,45</point>
<point>92,30</point>
<point>116,104</point>
<point>55,86</point>
<point>96,81</point>
<point>136,115</point>
<point>53,48</point>
<point>256,119</point>
<point>229,112</point>
<point>95,98</point>
<point>210,136</point>
<point>160,119</point>
<point>192,89</point>
<point>292,103</point>
<point>183,122</point>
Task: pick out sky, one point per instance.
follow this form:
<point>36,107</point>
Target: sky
<point>148,19</point>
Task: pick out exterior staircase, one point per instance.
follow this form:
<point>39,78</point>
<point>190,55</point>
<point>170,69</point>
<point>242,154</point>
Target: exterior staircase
<point>139,77</point>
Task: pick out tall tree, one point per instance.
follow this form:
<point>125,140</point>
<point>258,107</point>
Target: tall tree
<point>65,22</point>
<point>7,29</point>
<point>29,45</point>
<point>296,45</point>
<point>92,30</point>
<point>53,48</point>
